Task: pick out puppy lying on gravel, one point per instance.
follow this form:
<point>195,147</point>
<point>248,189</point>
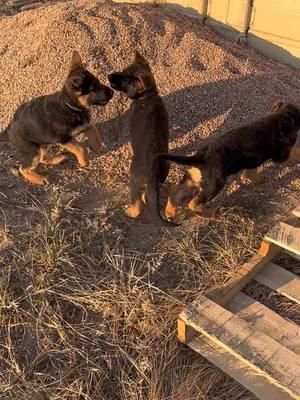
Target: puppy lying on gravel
<point>272,137</point>
<point>149,130</point>
<point>58,118</point>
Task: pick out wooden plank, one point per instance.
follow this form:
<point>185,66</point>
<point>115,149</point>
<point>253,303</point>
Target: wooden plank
<point>237,337</point>
<point>223,294</point>
<point>280,280</point>
<point>262,318</point>
<point>258,384</point>
<point>286,236</point>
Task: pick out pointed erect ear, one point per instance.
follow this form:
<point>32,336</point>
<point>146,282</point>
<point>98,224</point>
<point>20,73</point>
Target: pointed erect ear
<point>139,59</point>
<point>76,62</point>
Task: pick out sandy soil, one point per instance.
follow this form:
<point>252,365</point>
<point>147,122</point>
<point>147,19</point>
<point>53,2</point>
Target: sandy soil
<point>209,85</point>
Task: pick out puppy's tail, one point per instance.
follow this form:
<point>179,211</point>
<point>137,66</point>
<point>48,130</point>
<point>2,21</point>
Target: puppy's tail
<point>182,160</point>
<point>4,136</point>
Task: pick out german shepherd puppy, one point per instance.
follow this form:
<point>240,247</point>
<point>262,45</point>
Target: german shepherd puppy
<point>149,130</point>
<point>272,137</point>
<point>58,118</point>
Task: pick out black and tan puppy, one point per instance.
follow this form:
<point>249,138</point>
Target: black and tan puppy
<point>272,137</point>
<point>58,118</point>
<point>149,130</point>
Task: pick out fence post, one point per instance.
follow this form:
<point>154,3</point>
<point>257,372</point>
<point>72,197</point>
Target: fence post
<point>246,21</point>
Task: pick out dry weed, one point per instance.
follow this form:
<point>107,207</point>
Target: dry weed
<point>84,318</point>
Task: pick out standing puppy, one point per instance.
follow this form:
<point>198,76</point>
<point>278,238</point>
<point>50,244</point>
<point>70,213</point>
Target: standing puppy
<point>149,130</point>
<point>272,137</point>
<point>58,118</point>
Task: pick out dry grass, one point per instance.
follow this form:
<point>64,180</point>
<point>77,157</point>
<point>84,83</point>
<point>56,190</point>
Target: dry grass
<point>82,318</point>
<point>89,300</point>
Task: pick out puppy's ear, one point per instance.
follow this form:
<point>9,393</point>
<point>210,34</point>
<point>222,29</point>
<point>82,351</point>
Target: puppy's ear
<point>76,62</point>
<point>278,105</point>
<point>75,83</point>
<point>139,59</point>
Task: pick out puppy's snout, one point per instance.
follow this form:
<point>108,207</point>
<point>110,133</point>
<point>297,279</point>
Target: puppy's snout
<point>109,93</point>
<point>114,77</point>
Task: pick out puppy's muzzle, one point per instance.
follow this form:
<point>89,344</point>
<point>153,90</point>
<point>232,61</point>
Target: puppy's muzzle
<point>102,97</point>
<point>115,80</point>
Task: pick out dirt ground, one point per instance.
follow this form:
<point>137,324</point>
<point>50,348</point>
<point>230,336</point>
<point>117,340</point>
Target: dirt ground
<point>89,298</point>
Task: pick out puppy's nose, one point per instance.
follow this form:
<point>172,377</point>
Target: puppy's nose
<point>111,76</point>
<point>109,93</point>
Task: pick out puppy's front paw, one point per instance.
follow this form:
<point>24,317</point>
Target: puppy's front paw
<point>170,211</point>
<point>133,210</point>
<point>38,180</point>
<point>195,207</point>
<point>83,162</point>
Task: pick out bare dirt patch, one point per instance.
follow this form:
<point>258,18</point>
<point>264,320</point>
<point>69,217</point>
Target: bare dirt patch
<point>89,298</point>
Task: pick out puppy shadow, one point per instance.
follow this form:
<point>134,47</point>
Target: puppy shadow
<point>190,107</point>
<point>266,201</point>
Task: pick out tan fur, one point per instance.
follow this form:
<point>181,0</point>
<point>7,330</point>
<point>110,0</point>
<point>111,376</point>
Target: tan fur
<point>78,150</point>
<point>170,211</point>
<point>195,174</point>
<point>33,177</point>
<point>134,210</point>
<point>83,100</point>
<point>52,160</point>
<point>144,198</point>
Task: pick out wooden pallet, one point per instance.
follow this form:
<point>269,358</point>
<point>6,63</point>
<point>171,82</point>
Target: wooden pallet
<point>247,340</point>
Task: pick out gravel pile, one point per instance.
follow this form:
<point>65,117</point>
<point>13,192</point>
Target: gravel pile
<point>209,84</point>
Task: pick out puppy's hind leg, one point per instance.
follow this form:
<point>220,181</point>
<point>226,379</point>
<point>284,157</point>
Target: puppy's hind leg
<point>137,197</point>
<point>32,161</point>
<point>52,160</point>
<point>254,176</point>
<point>209,191</point>
<point>179,194</point>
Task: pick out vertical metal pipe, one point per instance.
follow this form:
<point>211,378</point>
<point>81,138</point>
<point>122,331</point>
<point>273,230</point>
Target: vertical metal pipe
<point>246,19</point>
<point>203,9</point>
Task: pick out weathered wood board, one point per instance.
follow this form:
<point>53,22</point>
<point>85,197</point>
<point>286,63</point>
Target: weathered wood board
<point>247,340</point>
<point>280,280</point>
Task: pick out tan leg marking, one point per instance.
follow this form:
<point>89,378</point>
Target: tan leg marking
<point>254,176</point>
<point>205,211</point>
<point>170,211</point>
<point>31,176</point>
<point>134,209</point>
<point>295,153</point>
<point>195,174</point>
<point>194,206</point>
<point>143,198</point>
<point>52,160</point>
<point>79,151</point>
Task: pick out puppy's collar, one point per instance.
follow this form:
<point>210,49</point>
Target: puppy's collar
<point>147,93</point>
<point>74,108</point>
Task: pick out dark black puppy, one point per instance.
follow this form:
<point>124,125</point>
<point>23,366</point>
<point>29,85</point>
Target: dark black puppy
<point>149,130</point>
<point>58,118</point>
<point>272,137</point>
